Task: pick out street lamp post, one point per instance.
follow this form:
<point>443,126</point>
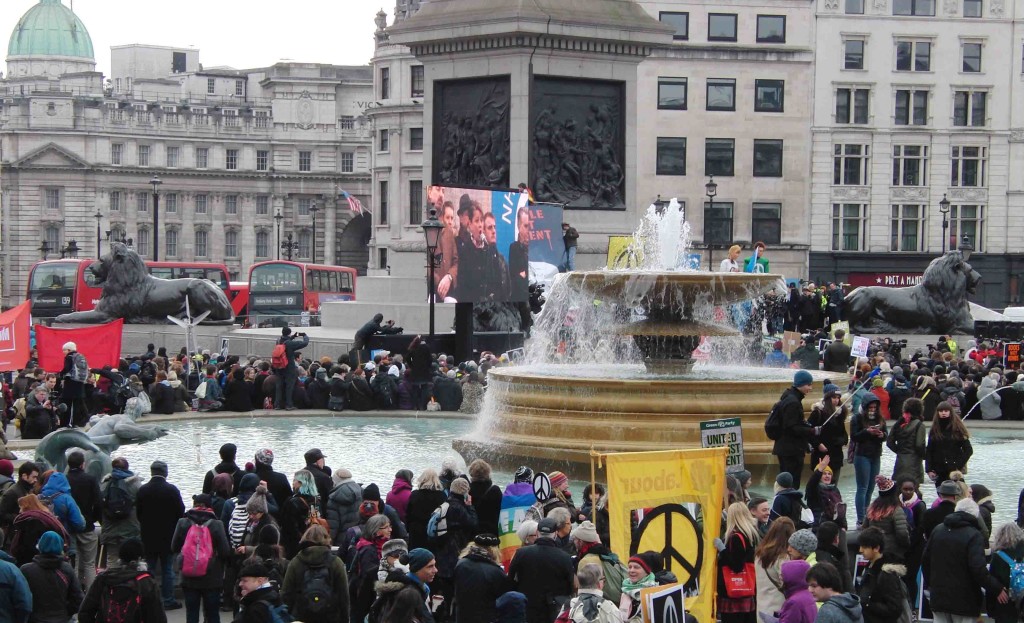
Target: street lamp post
<point>289,245</point>
<point>944,209</point>
<point>98,216</point>
<point>277,219</point>
<point>965,248</point>
<point>711,190</point>
<point>313,209</point>
<point>155,182</point>
<point>70,249</point>
<point>44,249</point>
<point>432,233</point>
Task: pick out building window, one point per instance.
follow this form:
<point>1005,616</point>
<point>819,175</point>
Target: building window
<point>202,239</point>
<point>852,105</point>
<point>348,160</point>
<point>719,154</point>
<point>769,95</point>
<point>848,226</point>
<point>383,141</point>
<point>382,187</point>
<point>231,243</point>
<point>853,54</point>
<point>201,204</point>
<point>202,157</point>
<point>173,155</point>
<point>171,243</point>
<point>672,93</point>
<point>382,258</point>
<point>911,107</point>
<point>142,242</point>
<point>718,223</point>
<point>142,200</point>
<point>854,7</point>
<point>231,159</point>
<point>231,204</point>
<point>305,244</point>
<point>913,56</point>
<point>262,159</point>
<point>906,228</point>
<point>416,139</point>
<point>766,222</point>
<point>262,244</point>
<point>385,83</point>
<point>239,88</point>
<point>262,118</point>
<point>115,201</point>
<point>417,81</point>
<point>850,165</point>
<point>721,27</point>
<point>303,205</point>
<point>972,8</point>
<point>143,155</point>
<point>305,161</point>
<point>199,117</point>
<point>671,159</point>
<point>966,219</point>
<point>969,108</point>
<point>680,21</point>
<point>52,199</point>
<point>262,205</point>
<point>348,122</point>
<point>211,86</point>
<point>52,237</point>
<point>415,202</point>
<point>767,158</point>
<point>971,53</point>
<point>969,166</point>
<point>171,203</point>
<point>116,153</point>
<point>909,165</point>
<point>771,28</point>
<point>721,94</point>
<point>921,8</point>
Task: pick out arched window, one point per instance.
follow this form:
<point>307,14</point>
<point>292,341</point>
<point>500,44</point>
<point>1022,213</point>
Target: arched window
<point>262,244</point>
<point>231,243</point>
<point>305,243</point>
<point>142,243</point>
<point>171,242</point>
<point>202,240</point>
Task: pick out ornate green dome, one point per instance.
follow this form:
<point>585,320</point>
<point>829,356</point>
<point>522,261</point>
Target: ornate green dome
<point>50,29</point>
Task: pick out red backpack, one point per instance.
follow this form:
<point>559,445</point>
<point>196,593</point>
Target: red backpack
<point>197,551</point>
<point>279,357</point>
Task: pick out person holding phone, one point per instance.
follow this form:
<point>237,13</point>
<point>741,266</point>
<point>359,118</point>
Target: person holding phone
<point>289,374</point>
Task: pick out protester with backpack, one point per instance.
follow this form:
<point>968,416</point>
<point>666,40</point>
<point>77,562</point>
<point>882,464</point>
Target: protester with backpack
<point>786,425</point>
<point>592,551</point>
<point>316,584</point>
<point>300,511</point>
<point>1007,567</point>
<point>125,593</point>
<point>200,540</point>
<point>56,495</point>
<point>56,593</point>
<point>118,490</point>
<point>159,509</point>
<point>283,361</point>
<point>73,376</point>
<point>261,602</point>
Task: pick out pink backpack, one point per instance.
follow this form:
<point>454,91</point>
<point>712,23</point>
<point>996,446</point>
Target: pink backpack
<point>197,551</point>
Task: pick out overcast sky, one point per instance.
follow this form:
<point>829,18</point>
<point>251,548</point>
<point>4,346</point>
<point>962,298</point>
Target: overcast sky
<point>238,33</point>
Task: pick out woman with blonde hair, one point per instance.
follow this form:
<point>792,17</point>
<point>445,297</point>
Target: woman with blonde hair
<point>735,553</point>
<point>428,495</point>
<point>479,580</point>
<point>731,264</point>
<point>771,552</point>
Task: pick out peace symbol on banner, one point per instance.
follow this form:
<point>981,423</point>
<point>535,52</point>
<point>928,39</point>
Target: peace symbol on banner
<point>671,530</point>
<point>541,487</point>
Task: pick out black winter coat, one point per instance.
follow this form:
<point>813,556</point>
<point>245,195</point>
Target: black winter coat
<point>317,393</point>
<point>294,520</point>
<point>422,503</point>
<point>486,498</point>
<point>151,606</point>
<point>56,593</point>
<point>933,517</point>
<point>85,489</point>
<point>479,582</point>
<point>788,503</point>
<point>256,606</point>
<point>237,396</point>
<point>224,467</point>
<point>214,578</point>
<point>833,434</point>
<point>835,557</point>
<point>360,396</point>
<point>954,566</point>
<point>868,445</point>
<point>324,484</point>
<point>163,398</point>
<point>277,484</point>
<point>462,522</point>
<point>837,357</point>
<point>159,508</point>
<point>796,432</point>
<point>544,573</point>
<point>881,592</point>
<point>946,454</point>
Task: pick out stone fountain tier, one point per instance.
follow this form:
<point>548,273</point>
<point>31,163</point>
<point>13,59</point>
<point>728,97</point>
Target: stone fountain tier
<point>558,417</point>
<point>673,291</point>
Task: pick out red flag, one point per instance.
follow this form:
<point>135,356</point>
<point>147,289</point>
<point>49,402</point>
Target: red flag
<point>14,340</point>
<point>101,345</point>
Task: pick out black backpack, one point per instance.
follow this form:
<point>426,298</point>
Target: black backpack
<point>773,425</point>
<point>122,602</point>
<point>316,602</point>
<point>117,502</point>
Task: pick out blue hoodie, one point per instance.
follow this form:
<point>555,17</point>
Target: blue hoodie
<point>15,597</point>
<point>58,492</point>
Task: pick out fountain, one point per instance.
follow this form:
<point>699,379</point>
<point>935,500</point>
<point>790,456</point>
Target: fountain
<point>611,366</point>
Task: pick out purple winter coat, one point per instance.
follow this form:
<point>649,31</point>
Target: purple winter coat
<point>398,497</point>
<point>799,606</point>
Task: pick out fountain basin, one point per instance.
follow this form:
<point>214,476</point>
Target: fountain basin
<point>672,290</point>
<point>558,413</point>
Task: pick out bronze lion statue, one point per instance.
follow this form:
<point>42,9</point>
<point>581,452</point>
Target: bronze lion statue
<point>937,305</point>
<point>130,292</point>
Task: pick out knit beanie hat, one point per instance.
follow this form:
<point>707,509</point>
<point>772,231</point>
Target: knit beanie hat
<point>265,456</point>
<point>801,378</point>
<point>50,543</point>
<point>6,467</point>
<point>885,485</point>
<point>418,558</point>
<point>258,502</point>
<point>640,561</point>
<point>784,480</point>
<point>830,389</point>
<point>804,542</point>
<point>559,481</point>
<point>254,570</point>
<point>460,486</point>
<point>131,550</point>
<point>586,532</point>
<point>523,474</point>
<point>877,382</point>
<point>395,547</point>
<point>371,492</point>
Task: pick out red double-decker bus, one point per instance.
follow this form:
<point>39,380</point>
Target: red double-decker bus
<point>284,288</point>
<point>63,286</point>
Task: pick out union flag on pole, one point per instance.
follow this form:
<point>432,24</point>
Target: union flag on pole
<point>354,204</point>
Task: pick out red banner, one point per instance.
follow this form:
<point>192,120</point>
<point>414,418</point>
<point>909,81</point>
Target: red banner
<point>14,337</point>
<point>101,345</point>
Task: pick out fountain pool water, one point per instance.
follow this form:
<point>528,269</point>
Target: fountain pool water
<point>375,448</point>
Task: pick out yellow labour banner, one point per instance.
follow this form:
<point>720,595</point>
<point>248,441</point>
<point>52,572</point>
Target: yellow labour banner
<point>676,499</point>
